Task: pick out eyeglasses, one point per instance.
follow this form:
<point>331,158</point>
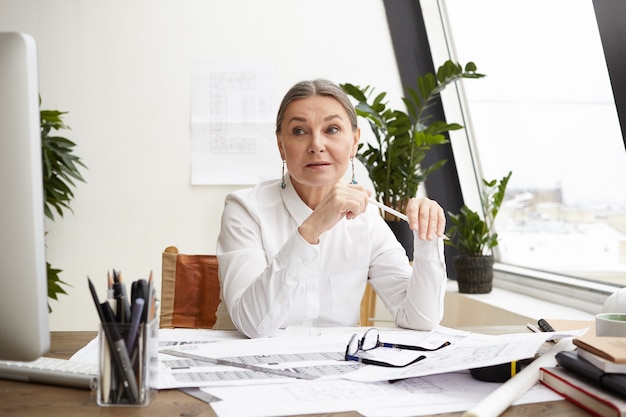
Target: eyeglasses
<point>371,340</point>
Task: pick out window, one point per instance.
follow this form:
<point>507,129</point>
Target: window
<point>546,111</point>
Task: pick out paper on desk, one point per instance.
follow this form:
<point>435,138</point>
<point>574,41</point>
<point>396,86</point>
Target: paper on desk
<point>466,353</point>
<point>438,393</point>
<point>413,397</point>
<point>317,352</point>
<point>320,352</point>
<point>88,353</point>
<point>167,337</point>
<point>322,356</point>
<point>175,337</point>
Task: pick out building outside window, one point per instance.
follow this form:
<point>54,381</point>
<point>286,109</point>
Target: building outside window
<point>546,111</point>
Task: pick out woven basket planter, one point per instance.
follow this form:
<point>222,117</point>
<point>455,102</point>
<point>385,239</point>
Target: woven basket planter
<point>474,274</point>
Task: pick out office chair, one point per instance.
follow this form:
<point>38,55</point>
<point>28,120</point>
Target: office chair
<point>190,292</point>
<point>368,307</point>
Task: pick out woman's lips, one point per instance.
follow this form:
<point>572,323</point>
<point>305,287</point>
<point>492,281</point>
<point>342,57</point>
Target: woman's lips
<point>318,164</point>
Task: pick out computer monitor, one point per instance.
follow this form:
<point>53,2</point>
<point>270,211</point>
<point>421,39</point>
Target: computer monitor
<point>24,322</point>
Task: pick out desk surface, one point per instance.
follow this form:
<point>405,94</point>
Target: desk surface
<point>20,399</point>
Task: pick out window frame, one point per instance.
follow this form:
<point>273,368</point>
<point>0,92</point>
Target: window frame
<point>419,39</point>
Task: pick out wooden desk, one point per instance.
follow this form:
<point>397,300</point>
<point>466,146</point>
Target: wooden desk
<point>20,399</point>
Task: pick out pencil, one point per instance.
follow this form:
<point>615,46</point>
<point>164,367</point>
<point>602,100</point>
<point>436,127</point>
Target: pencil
<point>395,212</point>
<point>389,210</point>
<point>110,291</point>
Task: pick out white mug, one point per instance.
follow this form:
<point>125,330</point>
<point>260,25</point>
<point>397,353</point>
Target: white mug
<point>611,324</point>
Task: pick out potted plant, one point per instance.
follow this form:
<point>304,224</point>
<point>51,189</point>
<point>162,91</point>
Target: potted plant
<point>474,237</point>
<point>60,169</point>
<point>402,138</point>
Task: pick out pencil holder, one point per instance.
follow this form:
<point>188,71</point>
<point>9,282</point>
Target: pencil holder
<point>128,364</point>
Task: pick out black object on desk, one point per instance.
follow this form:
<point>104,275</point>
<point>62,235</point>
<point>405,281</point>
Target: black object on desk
<point>505,371</point>
<point>117,345</point>
<point>571,361</point>
<point>545,326</point>
<point>500,373</point>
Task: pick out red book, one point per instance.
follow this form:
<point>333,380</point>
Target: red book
<point>583,393</point>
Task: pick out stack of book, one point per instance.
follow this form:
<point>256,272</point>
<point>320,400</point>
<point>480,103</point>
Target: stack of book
<point>593,376</point>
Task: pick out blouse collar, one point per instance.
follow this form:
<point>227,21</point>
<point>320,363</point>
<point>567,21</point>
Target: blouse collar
<point>294,204</point>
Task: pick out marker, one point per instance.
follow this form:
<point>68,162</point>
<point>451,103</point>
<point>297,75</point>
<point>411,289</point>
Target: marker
<point>545,326</point>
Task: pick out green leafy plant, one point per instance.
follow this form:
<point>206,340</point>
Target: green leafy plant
<point>404,137</point>
<point>60,171</point>
<point>471,234</point>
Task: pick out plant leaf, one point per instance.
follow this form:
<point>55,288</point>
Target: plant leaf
<point>403,137</point>
<point>59,167</point>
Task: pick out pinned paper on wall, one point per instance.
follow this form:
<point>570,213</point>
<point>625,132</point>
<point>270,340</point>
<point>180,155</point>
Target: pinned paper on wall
<point>233,110</point>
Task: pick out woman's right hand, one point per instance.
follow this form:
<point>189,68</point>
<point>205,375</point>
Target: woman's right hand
<point>343,200</point>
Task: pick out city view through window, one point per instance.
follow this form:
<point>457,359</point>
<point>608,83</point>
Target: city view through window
<point>545,111</point>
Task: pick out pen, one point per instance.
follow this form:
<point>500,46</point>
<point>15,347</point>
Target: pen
<point>121,314</point>
<point>116,344</point>
<point>124,294</point>
<point>119,294</point>
<point>119,352</point>
<point>106,380</point>
<point>135,319</point>
<point>94,295</point>
<point>542,325</point>
<point>141,289</point>
<point>545,326</point>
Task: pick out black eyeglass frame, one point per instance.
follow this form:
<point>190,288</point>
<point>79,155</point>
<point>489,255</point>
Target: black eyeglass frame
<point>399,345</point>
<point>352,357</point>
<point>357,344</point>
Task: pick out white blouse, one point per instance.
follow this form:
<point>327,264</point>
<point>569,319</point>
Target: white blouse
<point>271,277</point>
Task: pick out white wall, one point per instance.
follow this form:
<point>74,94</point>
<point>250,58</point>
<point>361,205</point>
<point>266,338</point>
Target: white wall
<point>121,68</point>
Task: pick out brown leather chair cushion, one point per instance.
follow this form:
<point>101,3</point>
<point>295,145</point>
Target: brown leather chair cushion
<point>190,290</point>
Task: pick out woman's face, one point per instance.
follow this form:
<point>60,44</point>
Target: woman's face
<point>317,141</point>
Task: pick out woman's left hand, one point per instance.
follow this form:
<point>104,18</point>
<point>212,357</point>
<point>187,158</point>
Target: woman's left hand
<point>427,217</point>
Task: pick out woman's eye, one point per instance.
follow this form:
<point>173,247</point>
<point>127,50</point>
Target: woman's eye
<point>333,129</point>
<point>298,131</point>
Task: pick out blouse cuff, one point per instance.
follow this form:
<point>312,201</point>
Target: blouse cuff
<point>428,249</point>
<point>297,252</point>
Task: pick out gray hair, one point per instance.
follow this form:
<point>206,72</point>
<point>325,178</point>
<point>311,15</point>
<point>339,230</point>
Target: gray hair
<point>312,88</point>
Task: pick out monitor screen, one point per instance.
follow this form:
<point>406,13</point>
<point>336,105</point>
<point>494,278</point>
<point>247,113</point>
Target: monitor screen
<point>24,322</point>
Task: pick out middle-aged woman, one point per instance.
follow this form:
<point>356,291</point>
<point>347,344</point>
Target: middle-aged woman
<point>299,251</point>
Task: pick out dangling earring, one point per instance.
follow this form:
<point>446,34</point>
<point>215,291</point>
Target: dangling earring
<point>282,183</point>
<point>353,181</point>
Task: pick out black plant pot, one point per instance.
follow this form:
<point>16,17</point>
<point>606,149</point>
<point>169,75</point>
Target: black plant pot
<point>404,234</point>
<point>474,274</point>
